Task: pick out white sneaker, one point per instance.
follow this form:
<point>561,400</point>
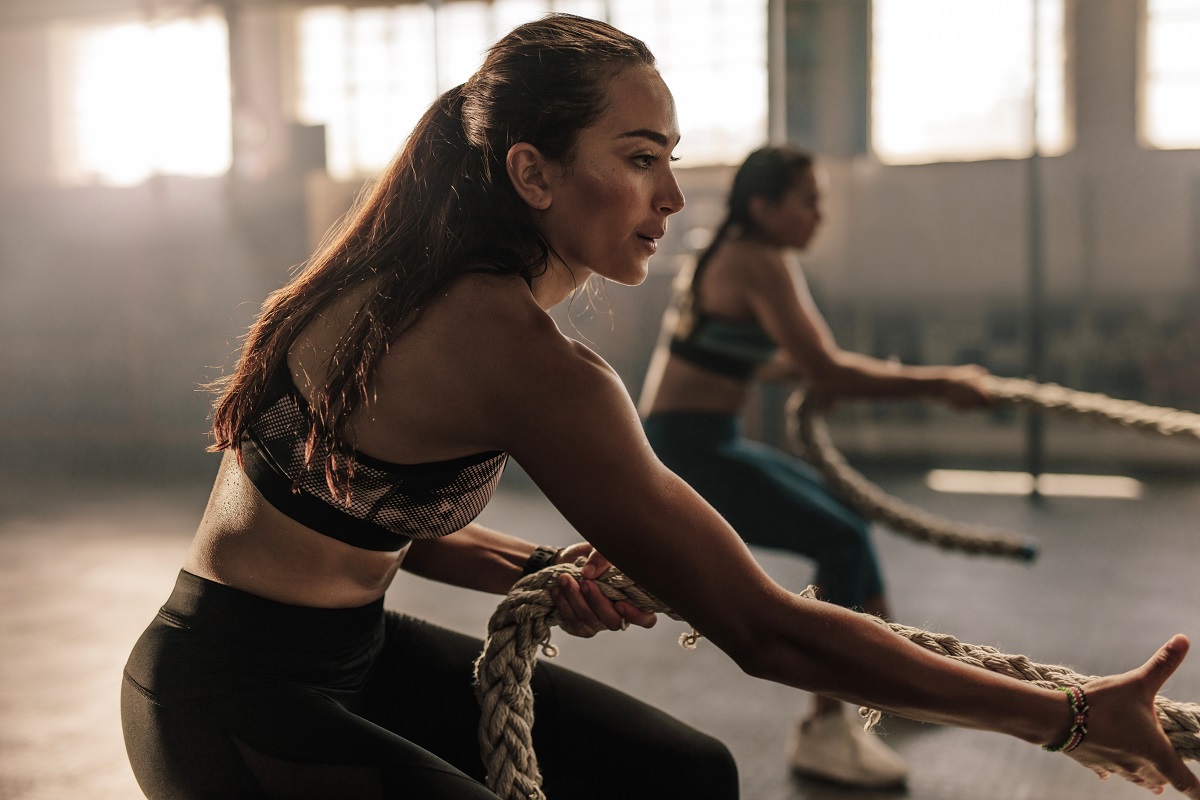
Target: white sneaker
<point>833,748</point>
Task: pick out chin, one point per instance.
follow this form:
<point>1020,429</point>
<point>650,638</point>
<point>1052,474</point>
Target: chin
<point>633,276</point>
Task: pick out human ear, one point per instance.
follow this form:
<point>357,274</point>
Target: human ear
<point>528,170</point>
<point>759,207</point>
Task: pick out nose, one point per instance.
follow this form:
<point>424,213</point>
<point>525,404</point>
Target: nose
<point>671,200</point>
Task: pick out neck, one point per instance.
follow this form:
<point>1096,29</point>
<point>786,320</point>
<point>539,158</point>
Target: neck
<point>557,283</point>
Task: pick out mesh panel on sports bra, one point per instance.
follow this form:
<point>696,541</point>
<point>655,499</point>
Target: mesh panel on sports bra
<point>418,501</point>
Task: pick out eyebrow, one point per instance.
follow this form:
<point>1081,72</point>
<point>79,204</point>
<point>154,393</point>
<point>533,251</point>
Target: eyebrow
<point>645,133</point>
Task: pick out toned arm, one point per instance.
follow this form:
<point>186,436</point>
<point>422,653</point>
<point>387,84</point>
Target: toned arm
<point>508,380</point>
<point>474,557</point>
<point>585,449</point>
<point>785,308</point>
<point>568,421</point>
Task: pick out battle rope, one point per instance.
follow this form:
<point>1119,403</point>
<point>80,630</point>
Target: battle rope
<point>520,625</point>
<point>522,622</point>
<point>808,436</point>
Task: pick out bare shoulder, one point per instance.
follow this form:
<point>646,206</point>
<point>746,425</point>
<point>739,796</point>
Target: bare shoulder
<point>528,356</point>
<point>743,268</point>
<point>506,329</point>
<point>759,259</point>
<point>746,250</point>
<point>507,358</point>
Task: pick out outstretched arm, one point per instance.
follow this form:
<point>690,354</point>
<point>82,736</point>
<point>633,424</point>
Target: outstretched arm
<point>784,306</point>
<point>570,424</point>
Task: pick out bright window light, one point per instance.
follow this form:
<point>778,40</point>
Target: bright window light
<point>368,74</point>
<point>952,80</point>
<point>959,481</point>
<point>138,99</point>
<point>713,56</point>
<point>464,32</point>
<point>1170,116</point>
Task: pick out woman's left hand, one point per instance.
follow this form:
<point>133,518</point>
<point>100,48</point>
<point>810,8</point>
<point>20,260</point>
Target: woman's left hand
<point>585,611</point>
<point>1124,736</point>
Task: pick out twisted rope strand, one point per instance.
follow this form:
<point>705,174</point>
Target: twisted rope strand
<point>903,518</point>
<point>809,436</point>
<point>519,626</point>
<point>522,623</point>
<point>1181,721</point>
<point>1099,407</point>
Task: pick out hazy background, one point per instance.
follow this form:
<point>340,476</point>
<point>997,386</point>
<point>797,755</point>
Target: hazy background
<point>165,165</point>
<point>118,301</point>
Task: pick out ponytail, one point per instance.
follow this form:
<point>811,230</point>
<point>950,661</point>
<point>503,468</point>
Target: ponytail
<point>442,205</point>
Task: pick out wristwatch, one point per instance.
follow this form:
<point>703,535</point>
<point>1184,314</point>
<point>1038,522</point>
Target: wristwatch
<point>540,557</point>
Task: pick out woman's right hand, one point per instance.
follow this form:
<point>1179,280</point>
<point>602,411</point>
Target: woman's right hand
<point>1124,736</point>
<point>584,610</point>
<point>966,387</point>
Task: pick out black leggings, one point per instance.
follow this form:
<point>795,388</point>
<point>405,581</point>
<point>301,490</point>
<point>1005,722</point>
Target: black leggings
<point>228,695</point>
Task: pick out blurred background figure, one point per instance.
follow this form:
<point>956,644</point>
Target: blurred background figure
<point>744,313</point>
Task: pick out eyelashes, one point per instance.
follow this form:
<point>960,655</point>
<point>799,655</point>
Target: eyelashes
<point>646,160</point>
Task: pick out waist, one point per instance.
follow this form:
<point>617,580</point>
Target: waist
<point>692,428</point>
<point>210,640</point>
<point>201,605</point>
<point>245,542</point>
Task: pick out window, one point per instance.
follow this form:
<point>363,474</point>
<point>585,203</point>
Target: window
<point>369,74</point>
<point>952,80</point>
<point>1170,114</point>
<point>136,99</point>
<point>713,56</point>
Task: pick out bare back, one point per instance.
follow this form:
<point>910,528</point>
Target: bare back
<point>722,289</point>
<point>429,402</point>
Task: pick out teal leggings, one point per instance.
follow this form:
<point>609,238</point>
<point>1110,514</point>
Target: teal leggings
<point>771,499</point>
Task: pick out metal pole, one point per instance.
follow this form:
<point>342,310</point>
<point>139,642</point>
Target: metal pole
<point>1035,433</point>
<point>777,132</point>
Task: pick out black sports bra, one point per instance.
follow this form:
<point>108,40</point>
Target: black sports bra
<point>389,503</point>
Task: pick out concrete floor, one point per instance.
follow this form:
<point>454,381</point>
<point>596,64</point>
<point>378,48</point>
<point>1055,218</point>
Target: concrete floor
<point>81,573</point>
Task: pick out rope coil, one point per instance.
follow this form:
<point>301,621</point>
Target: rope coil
<point>809,436</point>
<point>522,622</point>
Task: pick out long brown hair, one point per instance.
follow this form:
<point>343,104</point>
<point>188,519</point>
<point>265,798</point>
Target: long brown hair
<point>444,203</point>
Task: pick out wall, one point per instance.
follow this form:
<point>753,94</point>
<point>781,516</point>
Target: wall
<point>116,304</point>
<point>931,262</point>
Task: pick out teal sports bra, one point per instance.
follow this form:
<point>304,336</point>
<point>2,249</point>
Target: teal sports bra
<point>731,347</point>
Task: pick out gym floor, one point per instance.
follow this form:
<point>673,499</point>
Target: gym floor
<point>83,568</point>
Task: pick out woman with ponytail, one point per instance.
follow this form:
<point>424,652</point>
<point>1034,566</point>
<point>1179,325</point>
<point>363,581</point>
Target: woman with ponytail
<point>743,313</point>
<point>370,415</point>
<point>375,403</point>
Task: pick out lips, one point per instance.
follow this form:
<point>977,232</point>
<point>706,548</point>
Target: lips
<point>650,242</point>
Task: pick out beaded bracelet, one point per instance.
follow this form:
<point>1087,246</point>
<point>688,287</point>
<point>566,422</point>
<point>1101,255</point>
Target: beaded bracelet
<point>1079,717</point>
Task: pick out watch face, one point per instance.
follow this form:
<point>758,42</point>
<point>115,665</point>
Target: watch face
<point>541,557</point>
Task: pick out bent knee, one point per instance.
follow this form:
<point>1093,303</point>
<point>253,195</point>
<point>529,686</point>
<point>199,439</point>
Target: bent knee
<point>709,771</point>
